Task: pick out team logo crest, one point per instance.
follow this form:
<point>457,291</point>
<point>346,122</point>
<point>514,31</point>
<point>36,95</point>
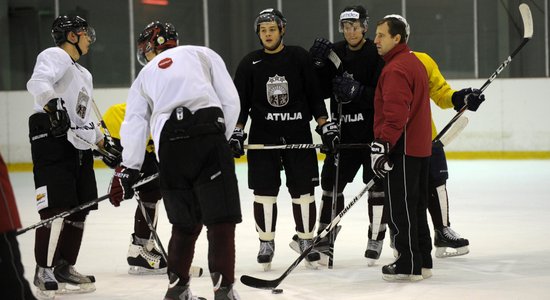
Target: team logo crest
<point>277,91</point>
<point>82,103</point>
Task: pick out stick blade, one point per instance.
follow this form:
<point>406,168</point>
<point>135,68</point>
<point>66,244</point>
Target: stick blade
<point>259,283</point>
<point>454,131</point>
<point>527,18</point>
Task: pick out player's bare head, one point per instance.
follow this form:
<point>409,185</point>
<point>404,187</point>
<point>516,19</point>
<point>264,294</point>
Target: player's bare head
<point>270,26</point>
<point>155,38</point>
<point>70,29</point>
<point>397,25</point>
<point>354,17</point>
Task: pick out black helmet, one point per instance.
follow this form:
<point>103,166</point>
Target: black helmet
<point>65,24</point>
<point>352,14</point>
<point>156,36</point>
<point>270,15</point>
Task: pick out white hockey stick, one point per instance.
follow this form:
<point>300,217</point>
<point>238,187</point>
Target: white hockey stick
<point>527,35</point>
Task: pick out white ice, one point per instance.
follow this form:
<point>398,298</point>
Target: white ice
<point>500,206</point>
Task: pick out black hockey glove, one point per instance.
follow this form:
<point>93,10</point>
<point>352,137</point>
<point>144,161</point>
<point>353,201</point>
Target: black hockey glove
<point>121,184</point>
<point>236,142</point>
<point>114,157</point>
<point>330,135</point>
<point>471,97</point>
<point>346,89</point>
<point>59,118</point>
<point>380,162</point>
<point>320,51</point>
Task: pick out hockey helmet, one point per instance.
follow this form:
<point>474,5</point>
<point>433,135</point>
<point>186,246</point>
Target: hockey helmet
<point>270,15</point>
<point>352,14</point>
<point>400,18</point>
<point>156,37</point>
<point>65,24</point>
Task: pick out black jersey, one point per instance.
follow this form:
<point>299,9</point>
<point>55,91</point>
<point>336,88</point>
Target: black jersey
<point>279,91</point>
<point>363,65</point>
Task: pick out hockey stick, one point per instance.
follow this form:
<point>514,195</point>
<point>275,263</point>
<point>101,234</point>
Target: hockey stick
<point>332,236</point>
<point>92,145</point>
<point>82,206</point>
<point>193,271</point>
<point>302,146</point>
<point>271,284</point>
<point>527,35</point>
<point>101,122</point>
<point>452,133</point>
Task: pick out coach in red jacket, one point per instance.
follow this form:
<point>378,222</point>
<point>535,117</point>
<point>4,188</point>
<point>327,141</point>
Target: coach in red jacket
<point>401,150</point>
<point>12,282</point>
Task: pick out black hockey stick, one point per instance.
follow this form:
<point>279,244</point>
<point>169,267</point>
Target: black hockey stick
<point>271,284</point>
<point>82,206</point>
<point>527,35</point>
<point>302,146</point>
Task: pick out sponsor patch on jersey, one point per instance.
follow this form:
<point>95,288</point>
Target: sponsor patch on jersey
<point>277,91</point>
<point>82,103</point>
<point>165,63</point>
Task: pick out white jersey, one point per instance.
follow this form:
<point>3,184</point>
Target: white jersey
<point>56,75</point>
<point>190,76</point>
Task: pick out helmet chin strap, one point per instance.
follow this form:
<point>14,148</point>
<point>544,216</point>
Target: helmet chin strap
<point>76,45</point>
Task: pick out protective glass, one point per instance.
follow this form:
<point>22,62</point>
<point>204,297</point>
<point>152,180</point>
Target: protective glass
<point>349,26</point>
<point>88,31</point>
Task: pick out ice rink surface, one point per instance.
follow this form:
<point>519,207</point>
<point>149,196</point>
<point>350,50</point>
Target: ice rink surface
<point>502,207</point>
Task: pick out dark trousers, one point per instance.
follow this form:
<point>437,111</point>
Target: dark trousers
<point>406,188</point>
<point>12,281</point>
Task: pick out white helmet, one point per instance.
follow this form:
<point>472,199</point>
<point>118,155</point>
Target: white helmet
<point>400,18</point>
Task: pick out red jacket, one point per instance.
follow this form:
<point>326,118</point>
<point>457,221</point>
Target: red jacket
<point>9,217</point>
<point>402,103</point>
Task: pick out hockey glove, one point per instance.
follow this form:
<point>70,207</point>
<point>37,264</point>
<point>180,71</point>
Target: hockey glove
<point>471,97</point>
<point>59,118</point>
<point>320,51</point>
<point>121,184</point>
<point>114,157</point>
<point>346,89</point>
<point>380,162</point>
<point>330,135</point>
<point>236,142</point>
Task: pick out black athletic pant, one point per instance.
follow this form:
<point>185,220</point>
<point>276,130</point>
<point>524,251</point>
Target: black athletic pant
<point>406,189</point>
<point>13,284</point>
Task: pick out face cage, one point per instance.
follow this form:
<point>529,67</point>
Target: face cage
<point>140,52</point>
<point>363,25</point>
<point>90,31</point>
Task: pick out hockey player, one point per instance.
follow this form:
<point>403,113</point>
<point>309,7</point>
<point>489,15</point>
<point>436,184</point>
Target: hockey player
<point>354,88</point>
<point>61,134</point>
<point>438,205</point>
<point>278,89</point>
<point>401,149</point>
<point>143,257</point>
<point>12,280</point>
<point>186,99</point>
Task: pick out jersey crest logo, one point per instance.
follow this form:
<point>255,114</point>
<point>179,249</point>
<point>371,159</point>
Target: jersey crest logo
<point>165,63</point>
<point>82,103</point>
<point>277,91</point>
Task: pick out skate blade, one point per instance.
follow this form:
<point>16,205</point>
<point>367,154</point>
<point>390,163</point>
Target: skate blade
<point>266,266</point>
<point>68,288</point>
<point>45,295</point>
<point>371,262</point>
<point>444,252</point>
<point>401,277</point>
<point>137,270</point>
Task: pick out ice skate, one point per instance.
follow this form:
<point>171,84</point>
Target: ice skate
<point>300,245</point>
<point>178,290</point>
<point>265,255</point>
<point>223,292</point>
<point>448,243</point>
<point>374,249</point>
<point>45,283</point>
<point>389,273</point>
<point>145,260</point>
<point>322,247</point>
<point>70,281</point>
